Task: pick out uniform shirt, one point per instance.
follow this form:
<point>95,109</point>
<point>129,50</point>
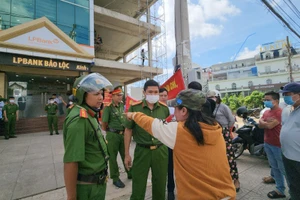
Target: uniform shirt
<point>51,108</point>
<point>80,142</point>
<point>201,171</point>
<point>10,108</point>
<point>290,136</point>
<point>271,136</point>
<point>113,115</point>
<point>140,136</point>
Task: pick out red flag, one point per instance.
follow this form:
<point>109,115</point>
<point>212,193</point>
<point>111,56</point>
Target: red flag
<point>107,98</point>
<point>174,84</point>
<point>129,101</point>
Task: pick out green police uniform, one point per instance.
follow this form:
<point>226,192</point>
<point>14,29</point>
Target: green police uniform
<point>11,114</point>
<point>51,110</point>
<point>149,152</point>
<point>85,144</point>
<point>113,115</point>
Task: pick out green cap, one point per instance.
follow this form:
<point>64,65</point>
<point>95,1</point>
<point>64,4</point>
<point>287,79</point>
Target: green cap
<point>190,98</point>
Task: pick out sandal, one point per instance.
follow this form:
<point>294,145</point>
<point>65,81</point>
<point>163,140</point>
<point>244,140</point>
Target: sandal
<point>268,179</point>
<point>275,195</point>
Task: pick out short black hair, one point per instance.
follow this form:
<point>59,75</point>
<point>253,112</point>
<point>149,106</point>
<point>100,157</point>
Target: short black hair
<point>150,83</point>
<point>53,94</point>
<point>161,90</point>
<point>274,95</point>
<point>11,97</point>
<point>195,85</point>
<point>50,98</point>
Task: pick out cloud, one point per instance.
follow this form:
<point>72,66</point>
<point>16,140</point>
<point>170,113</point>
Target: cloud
<point>205,19</point>
<point>246,53</point>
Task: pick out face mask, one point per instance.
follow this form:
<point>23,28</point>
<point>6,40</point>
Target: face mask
<point>70,102</point>
<point>11,101</point>
<point>152,98</point>
<point>51,101</point>
<point>268,104</point>
<point>288,100</point>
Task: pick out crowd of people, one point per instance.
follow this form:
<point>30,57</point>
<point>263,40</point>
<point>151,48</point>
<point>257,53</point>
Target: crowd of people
<point>187,146</point>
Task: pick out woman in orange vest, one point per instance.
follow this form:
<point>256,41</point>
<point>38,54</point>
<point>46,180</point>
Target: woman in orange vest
<point>199,151</point>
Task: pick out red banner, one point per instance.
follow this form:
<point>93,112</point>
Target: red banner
<point>129,101</point>
<point>107,98</point>
<point>174,84</point>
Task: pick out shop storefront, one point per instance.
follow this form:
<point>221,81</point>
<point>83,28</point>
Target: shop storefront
<point>38,60</point>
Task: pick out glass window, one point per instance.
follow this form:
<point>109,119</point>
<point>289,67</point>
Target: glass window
<point>233,86</point>
<point>46,8</point>
<point>250,83</point>
<point>24,8</point>
<point>5,7</point>
<point>269,81</point>
<point>217,87</point>
<point>65,14</point>
<point>19,20</point>
<point>82,25</point>
<point>198,75</point>
<point>84,3</point>
<point>5,21</point>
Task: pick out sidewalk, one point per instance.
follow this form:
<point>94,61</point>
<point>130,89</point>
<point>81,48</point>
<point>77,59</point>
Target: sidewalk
<point>32,164</point>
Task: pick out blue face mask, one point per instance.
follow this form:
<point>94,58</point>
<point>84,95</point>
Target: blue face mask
<point>268,104</point>
<point>288,100</point>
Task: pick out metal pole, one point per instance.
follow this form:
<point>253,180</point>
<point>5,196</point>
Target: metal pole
<point>149,38</point>
<point>289,59</point>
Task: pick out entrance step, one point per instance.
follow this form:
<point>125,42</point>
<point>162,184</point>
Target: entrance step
<point>34,125</point>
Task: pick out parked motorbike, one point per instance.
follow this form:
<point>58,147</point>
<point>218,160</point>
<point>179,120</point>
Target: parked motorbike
<point>249,136</point>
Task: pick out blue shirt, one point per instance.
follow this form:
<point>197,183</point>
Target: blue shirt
<point>290,136</point>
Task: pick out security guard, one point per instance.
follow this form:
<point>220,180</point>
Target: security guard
<point>51,110</point>
<point>149,151</point>
<point>86,153</point>
<point>11,115</point>
<point>113,124</point>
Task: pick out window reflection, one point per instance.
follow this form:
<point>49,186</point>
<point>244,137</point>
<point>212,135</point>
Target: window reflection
<point>64,14</point>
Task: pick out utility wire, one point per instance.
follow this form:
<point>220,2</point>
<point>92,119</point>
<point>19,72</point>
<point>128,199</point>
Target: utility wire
<point>296,9</point>
<point>292,9</point>
<point>280,17</point>
<point>286,13</point>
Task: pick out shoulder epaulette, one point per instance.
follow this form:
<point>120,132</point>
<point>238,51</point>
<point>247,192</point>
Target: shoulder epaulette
<point>162,103</point>
<point>83,113</point>
<point>136,103</point>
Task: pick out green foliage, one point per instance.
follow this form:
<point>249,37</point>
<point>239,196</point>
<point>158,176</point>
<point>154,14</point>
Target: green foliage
<point>252,101</point>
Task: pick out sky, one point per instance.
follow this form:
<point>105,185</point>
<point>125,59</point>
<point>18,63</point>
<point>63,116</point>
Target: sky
<point>219,27</point>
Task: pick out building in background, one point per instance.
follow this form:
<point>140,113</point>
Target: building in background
<point>267,71</point>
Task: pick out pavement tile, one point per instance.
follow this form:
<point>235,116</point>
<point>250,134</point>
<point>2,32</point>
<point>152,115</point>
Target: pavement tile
<point>12,167</point>
<point>36,163</point>
<point>37,155</point>
<point>35,180</point>
<point>7,191</point>
<point>58,158</point>
<point>8,177</point>
<point>7,159</point>
<point>59,174</point>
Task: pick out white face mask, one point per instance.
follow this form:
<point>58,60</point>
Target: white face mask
<point>11,101</point>
<point>70,102</point>
<point>152,98</point>
<point>51,101</point>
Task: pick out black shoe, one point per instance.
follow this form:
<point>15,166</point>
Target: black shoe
<point>171,196</point>
<point>13,136</point>
<point>51,133</point>
<point>57,133</point>
<point>119,184</point>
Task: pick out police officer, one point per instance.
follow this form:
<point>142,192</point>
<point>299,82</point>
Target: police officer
<point>113,124</point>
<point>51,110</point>
<point>11,115</point>
<point>149,151</point>
<point>86,153</point>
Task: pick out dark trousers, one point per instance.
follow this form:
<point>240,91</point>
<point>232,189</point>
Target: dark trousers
<point>171,183</point>
<point>292,170</point>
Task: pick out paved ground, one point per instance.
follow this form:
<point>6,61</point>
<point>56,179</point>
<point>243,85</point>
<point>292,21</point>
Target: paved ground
<point>31,168</point>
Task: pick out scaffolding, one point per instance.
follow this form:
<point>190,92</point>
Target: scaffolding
<point>155,47</point>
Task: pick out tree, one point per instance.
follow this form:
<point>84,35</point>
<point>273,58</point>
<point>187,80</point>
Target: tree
<point>252,101</point>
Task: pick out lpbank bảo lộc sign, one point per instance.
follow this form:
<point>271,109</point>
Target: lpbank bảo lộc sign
<point>38,62</point>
